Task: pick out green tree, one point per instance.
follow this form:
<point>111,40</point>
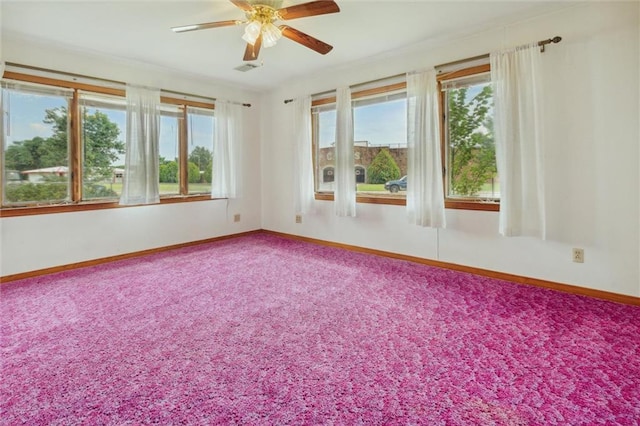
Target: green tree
<point>472,158</point>
<point>27,191</point>
<point>56,148</point>
<point>102,146</point>
<point>52,190</point>
<point>203,159</point>
<point>194,173</point>
<point>168,171</point>
<point>208,175</point>
<point>25,155</point>
<point>383,168</point>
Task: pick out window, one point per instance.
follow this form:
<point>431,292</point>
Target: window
<point>35,134</point>
<point>324,133</point>
<point>380,146</point>
<point>380,133</point>
<point>63,145</point>
<point>201,134</point>
<point>103,130</point>
<point>169,149</point>
<point>468,143</point>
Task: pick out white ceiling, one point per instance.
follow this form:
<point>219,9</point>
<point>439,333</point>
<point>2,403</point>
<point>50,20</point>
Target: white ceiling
<point>140,30</point>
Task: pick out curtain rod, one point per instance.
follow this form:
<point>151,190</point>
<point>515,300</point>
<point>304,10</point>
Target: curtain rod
<point>541,43</point>
<point>75,76</point>
<point>286,101</point>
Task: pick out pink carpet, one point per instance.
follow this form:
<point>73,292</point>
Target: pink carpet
<point>265,330</point>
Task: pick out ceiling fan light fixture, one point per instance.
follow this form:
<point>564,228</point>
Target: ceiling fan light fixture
<point>260,29</point>
<point>185,28</point>
<point>270,35</point>
<point>252,32</point>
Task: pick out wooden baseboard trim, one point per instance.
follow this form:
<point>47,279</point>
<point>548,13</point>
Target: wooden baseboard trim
<point>565,288</point>
<point>94,262</point>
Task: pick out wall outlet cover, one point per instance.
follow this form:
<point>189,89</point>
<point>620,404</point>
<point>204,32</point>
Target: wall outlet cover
<point>578,255</point>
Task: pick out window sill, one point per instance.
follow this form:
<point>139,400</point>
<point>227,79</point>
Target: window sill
<point>397,200</point>
<point>400,200</point>
<point>490,206</point>
<point>92,205</point>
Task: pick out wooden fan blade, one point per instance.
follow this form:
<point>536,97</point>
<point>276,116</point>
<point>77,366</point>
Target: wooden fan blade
<point>204,26</point>
<point>319,7</point>
<point>242,4</point>
<point>305,40</point>
<point>251,52</point>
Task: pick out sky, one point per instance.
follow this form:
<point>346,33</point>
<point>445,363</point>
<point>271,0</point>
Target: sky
<point>382,123</point>
<point>24,114</point>
<point>379,124</point>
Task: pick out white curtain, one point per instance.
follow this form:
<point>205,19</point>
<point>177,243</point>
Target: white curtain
<point>302,157</point>
<point>140,179</point>
<point>518,129</point>
<point>227,150</point>
<point>345,176</point>
<point>1,74</point>
<point>425,193</point>
<point>2,116</point>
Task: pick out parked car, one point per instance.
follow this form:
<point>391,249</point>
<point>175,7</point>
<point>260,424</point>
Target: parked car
<point>396,185</point>
<point>12,176</point>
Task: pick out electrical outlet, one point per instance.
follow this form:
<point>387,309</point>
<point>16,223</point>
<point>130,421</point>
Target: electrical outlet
<point>298,218</point>
<point>578,255</point>
<point>236,217</point>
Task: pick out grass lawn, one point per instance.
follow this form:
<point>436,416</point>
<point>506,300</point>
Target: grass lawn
<point>370,187</point>
<point>166,188</point>
<point>489,190</point>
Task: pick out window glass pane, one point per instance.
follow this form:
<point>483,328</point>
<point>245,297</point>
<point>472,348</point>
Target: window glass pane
<point>380,152</point>
<point>35,130</point>
<point>468,81</point>
<point>380,146</point>
<point>324,119</point>
<point>103,120</point>
<point>470,153</point>
<point>170,123</point>
<point>200,130</point>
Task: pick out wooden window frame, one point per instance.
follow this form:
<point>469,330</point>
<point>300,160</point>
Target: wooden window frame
<point>75,152</point>
<point>400,200</point>
<point>458,203</point>
<point>397,200</point>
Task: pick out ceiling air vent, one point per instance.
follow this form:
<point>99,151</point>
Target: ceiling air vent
<point>246,67</point>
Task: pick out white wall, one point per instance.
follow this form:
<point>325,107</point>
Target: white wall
<point>592,163</point>
<point>592,157</point>
<point>35,242</point>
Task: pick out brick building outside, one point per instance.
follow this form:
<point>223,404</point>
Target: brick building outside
<point>363,156</point>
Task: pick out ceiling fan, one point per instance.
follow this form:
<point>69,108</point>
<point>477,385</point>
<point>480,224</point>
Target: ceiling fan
<point>261,31</point>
